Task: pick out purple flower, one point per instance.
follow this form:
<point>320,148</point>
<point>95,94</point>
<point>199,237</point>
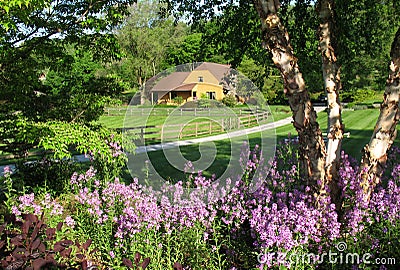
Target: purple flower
<point>70,221</point>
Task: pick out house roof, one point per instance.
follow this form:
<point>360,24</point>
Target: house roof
<point>185,87</point>
<point>175,81</point>
<point>170,82</point>
<point>218,70</point>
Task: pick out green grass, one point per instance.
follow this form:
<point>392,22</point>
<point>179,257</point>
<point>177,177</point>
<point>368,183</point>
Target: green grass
<point>120,120</point>
<point>360,124</point>
<point>225,150</point>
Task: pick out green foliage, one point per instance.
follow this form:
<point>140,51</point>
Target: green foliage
<point>229,100</point>
<point>365,30</point>
<point>76,91</point>
<point>47,72</point>
<point>145,39</point>
<point>204,101</point>
<point>301,20</point>
<point>47,173</point>
<point>178,100</point>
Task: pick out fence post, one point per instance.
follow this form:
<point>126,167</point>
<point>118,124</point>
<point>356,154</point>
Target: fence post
<point>222,125</point>
<point>142,134</point>
<point>210,127</point>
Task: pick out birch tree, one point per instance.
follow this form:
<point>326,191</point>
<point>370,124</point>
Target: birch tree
<point>332,83</point>
<point>276,40</point>
<point>375,152</point>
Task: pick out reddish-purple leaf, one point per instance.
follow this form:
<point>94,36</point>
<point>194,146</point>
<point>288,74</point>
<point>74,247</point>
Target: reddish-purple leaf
<point>25,226</point>
<point>15,265</point>
<point>80,256</point>
<point>84,265</point>
<point>38,263</point>
<point>145,263</point>
<point>2,243</point>
<point>36,230</point>
<point>36,243</point>
<point>66,252</point>
<point>30,217</point>
<point>178,266</point>
<point>34,255</point>
<point>58,247</point>
<point>87,244</point>
<point>127,262</point>
<point>42,248</point>
<point>50,232</point>
<point>59,226</point>
<point>17,240</point>
<point>137,258</point>
<point>66,243</point>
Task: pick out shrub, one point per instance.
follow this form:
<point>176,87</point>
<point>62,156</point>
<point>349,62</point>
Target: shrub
<point>178,100</point>
<point>229,100</point>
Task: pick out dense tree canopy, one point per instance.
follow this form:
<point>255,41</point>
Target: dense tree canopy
<point>46,70</point>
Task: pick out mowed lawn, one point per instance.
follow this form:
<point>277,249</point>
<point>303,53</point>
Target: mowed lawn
<point>118,121</point>
<point>359,123</point>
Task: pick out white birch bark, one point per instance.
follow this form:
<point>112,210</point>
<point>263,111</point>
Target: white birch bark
<point>375,152</point>
<point>331,76</point>
<point>312,146</point>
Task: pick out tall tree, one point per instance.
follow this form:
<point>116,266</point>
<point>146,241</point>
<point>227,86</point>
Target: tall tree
<point>332,83</point>
<point>375,152</point>
<point>312,146</point>
<point>145,38</point>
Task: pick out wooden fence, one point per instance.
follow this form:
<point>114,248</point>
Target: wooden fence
<point>128,111</point>
<point>194,129</point>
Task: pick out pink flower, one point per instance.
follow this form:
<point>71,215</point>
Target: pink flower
<point>70,221</point>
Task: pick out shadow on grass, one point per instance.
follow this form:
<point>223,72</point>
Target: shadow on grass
<point>219,165</point>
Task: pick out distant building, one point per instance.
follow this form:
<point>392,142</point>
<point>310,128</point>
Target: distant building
<point>205,80</point>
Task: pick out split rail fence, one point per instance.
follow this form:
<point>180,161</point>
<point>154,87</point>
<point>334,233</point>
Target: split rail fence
<point>172,132</point>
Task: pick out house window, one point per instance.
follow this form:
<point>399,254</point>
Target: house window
<point>211,95</point>
<point>174,95</point>
<point>201,79</point>
<point>194,94</point>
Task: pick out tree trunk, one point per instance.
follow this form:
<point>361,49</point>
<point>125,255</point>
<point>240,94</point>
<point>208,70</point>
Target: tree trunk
<point>311,144</point>
<point>375,152</point>
<point>331,75</point>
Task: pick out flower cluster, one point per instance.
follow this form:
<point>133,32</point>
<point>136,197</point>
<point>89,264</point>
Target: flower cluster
<point>47,205</point>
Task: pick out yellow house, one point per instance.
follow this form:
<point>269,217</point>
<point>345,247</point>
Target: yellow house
<point>204,80</point>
